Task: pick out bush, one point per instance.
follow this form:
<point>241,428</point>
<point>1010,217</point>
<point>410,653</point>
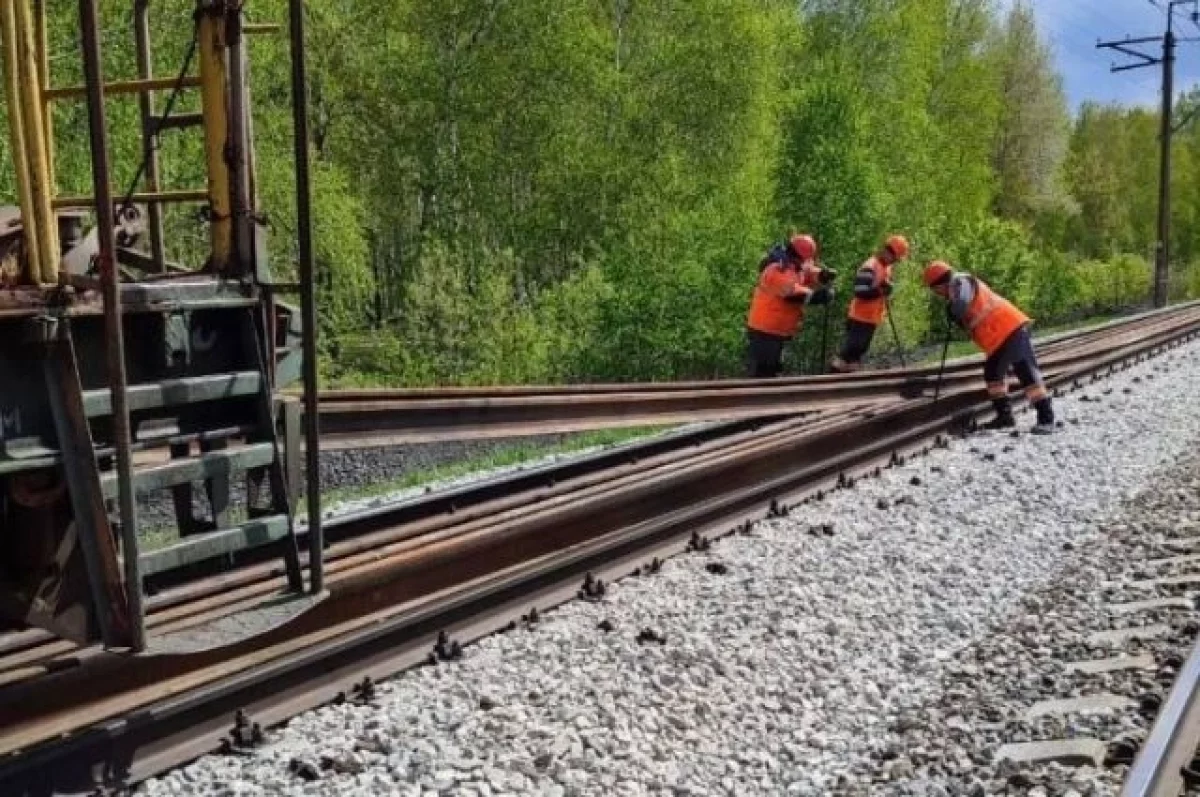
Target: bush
<point>1121,283</point>
<point>1057,288</point>
<point>1001,254</point>
<point>1185,282</point>
<point>464,320</point>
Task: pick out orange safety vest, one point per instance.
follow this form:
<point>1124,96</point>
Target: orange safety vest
<point>991,319</point>
<point>769,311</point>
<point>872,311</point>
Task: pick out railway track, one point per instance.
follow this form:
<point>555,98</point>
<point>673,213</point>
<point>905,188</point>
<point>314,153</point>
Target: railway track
<point>1168,759</point>
<point>398,576</point>
<point>364,418</point>
<point>1068,693</point>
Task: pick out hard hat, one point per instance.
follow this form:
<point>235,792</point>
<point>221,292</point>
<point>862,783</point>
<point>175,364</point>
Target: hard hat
<point>898,244</point>
<point>803,246</point>
<point>936,273</point>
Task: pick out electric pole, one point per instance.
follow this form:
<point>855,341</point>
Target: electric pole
<point>1162,264</point>
<point>1130,47</point>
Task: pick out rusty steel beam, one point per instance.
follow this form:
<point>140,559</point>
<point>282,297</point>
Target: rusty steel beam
<point>358,421</point>
<point>392,599</point>
<point>308,287</point>
<point>120,87</point>
<point>114,338</point>
<point>138,198</point>
<point>367,418</point>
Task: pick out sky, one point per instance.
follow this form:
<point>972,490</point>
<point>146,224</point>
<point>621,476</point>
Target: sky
<point>1074,26</point>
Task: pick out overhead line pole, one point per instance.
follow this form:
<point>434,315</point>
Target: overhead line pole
<point>1162,267</point>
<point>1129,47</point>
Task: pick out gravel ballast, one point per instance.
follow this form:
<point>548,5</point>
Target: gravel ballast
<point>350,469</point>
<point>812,663</point>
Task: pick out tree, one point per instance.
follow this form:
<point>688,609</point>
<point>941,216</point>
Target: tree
<point>1034,128</point>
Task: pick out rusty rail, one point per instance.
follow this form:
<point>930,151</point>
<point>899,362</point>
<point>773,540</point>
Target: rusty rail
<point>364,418</point>
<point>1171,746</point>
<point>394,586</point>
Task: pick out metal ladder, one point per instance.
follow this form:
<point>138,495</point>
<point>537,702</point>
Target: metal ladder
<point>188,367</point>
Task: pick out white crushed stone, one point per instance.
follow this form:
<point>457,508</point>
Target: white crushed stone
<point>1021,662</point>
<point>800,671</point>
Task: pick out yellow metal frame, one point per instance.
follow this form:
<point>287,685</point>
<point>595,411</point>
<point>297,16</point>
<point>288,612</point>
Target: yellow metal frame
<point>16,128</point>
<point>121,87</point>
<point>213,98</point>
<point>32,108</point>
<point>146,197</point>
<point>39,7</point>
<point>26,72</point>
<point>23,69</point>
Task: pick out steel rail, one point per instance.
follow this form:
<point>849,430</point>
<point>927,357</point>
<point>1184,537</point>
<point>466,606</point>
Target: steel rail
<point>370,537</point>
<point>360,536</point>
<point>358,424</point>
<point>1158,769</point>
<point>182,608</point>
<point>366,418</point>
<point>363,628</point>
<point>1046,343</point>
<point>424,516</point>
<point>740,461</point>
<point>356,532</point>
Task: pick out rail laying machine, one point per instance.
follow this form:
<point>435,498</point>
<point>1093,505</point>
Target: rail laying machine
<point>125,376</point>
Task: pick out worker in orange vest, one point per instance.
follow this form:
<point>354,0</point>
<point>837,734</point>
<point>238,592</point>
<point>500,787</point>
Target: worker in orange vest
<point>790,279</point>
<point>999,328</point>
<point>872,287</point>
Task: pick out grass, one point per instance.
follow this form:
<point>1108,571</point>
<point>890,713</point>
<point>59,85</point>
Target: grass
<point>505,457</point>
<point>162,535</point>
<point>152,538</point>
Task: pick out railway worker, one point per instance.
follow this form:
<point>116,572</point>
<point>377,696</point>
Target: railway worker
<point>789,280</point>
<point>999,328</point>
<point>872,287</point>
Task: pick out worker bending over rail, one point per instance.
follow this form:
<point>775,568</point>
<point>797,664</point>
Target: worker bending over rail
<point>789,280</point>
<point>998,327</point>
<point>869,307</point>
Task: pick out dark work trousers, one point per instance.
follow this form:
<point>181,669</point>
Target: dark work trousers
<point>1015,354</point>
<point>764,354</point>
<point>857,341</point>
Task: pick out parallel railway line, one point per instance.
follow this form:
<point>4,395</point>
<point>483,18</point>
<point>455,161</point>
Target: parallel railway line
<point>364,418</point>
<point>399,575</point>
<point>1171,750</point>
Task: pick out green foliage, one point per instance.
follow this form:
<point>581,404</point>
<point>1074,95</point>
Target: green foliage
<point>557,190</point>
<point>501,457</point>
<point>1056,288</point>
<point>1034,128</point>
<point>1000,253</point>
<point>1186,285</point>
<point>465,320</point>
<point>1105,286</point>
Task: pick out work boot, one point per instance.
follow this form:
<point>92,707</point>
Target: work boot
<point>1004,415</point>
<point>1045,417</point>
<point>840,366</point>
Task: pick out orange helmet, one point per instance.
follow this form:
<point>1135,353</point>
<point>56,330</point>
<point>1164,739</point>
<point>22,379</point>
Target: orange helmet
<point>803,246</point>
<point>936,272</point>
<point>898,245</point>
